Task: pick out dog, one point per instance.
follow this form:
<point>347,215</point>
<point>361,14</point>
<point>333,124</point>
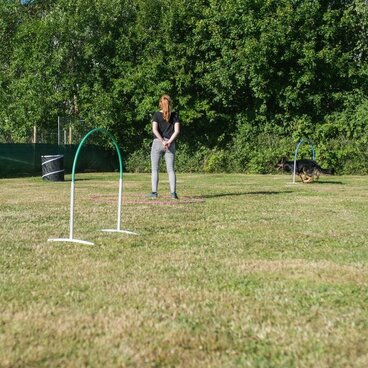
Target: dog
<point>306,169</point>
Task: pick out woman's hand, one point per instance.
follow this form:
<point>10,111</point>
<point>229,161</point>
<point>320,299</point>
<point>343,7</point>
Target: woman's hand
<point>166,143</point>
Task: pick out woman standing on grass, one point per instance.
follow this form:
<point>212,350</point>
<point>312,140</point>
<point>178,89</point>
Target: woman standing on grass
<point>165,129</point>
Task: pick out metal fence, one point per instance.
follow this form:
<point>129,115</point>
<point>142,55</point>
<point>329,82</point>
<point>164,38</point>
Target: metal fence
<point>67,131</point>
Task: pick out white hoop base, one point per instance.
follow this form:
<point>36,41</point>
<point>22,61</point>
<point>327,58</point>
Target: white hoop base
<point>119,231</point>
<point>71,241</point>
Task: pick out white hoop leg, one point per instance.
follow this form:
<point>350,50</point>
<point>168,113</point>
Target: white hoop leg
<point>68,240</point>
<point>118,225</point>
<point>119,231</point>
<point>71,223</point>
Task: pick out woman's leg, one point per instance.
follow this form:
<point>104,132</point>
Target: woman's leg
<point>156,152</point>
<point>170,166</point>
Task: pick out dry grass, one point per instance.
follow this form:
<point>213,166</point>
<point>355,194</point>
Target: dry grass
<point>257,273</point>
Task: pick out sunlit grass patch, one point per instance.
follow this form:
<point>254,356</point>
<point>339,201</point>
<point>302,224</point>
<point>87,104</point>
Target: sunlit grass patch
<point>258,273</point>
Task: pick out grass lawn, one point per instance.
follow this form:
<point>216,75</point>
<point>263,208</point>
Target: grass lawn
<point>243,271</point>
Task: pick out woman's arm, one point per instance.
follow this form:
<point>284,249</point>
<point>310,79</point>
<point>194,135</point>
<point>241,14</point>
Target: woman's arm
<point>156,132</point>
<point>175,134</point>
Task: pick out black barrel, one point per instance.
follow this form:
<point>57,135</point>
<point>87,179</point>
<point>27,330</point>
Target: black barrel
<point>53,167</point>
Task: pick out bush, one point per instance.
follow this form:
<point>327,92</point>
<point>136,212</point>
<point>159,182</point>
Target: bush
<point>216,161</point>
<point>139,162</point>
<point>340,142</point>
<point>257,153</point>
<point>190,159</point>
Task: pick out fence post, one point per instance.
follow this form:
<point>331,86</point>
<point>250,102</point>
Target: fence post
<point>34,134</point>
<point>59,138</point>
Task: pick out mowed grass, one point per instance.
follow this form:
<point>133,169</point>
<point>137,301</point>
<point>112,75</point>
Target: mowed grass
<point>244,271</point>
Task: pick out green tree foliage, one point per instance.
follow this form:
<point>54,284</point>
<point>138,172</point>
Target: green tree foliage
<point>249,77</point>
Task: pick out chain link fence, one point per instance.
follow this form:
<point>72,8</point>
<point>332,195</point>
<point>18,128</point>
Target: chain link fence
<point>67,131</point>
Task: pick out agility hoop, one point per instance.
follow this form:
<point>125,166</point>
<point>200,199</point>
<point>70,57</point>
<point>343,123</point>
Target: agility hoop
<point>296,153</point>
<point>72,193</point>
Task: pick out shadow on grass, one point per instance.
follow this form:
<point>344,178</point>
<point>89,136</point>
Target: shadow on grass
<point>245,193</point>
<point>319,182</point>
<point>79,179</point>
<point>328,182</point>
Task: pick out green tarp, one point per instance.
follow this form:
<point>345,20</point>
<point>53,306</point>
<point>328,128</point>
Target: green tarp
<point>17,159</point>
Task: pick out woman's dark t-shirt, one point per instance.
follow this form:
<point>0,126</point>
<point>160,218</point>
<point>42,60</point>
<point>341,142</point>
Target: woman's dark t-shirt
<point>166,129</point>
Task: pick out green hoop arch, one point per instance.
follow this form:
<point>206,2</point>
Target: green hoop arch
<point>72,191</point>
<point>82,142</point>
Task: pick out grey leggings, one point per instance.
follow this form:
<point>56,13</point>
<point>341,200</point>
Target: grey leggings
<point>157,152</point>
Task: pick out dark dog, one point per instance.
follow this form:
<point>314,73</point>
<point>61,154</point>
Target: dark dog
<point>306,169</point>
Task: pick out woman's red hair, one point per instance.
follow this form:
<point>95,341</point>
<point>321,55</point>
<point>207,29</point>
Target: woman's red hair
<point>165,106</point>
